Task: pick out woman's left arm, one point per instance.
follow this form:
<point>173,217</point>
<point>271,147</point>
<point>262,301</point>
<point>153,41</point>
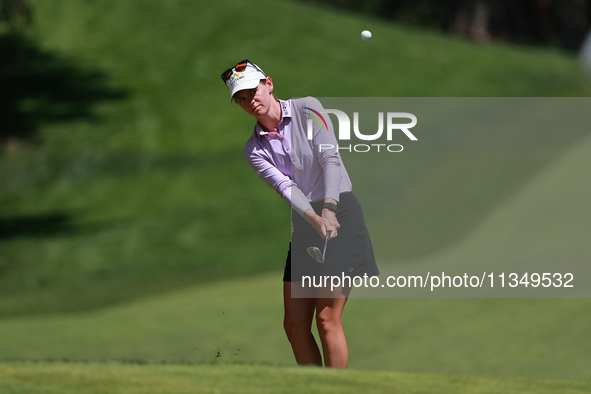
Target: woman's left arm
<point>329,160</point>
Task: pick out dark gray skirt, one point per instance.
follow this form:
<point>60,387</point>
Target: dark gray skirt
<point>350,253</point>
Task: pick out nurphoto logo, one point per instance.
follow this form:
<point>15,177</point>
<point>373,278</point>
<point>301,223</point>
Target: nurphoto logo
<point>344,133</point>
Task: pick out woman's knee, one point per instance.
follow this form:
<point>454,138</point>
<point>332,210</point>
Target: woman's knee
<point>328,320</point>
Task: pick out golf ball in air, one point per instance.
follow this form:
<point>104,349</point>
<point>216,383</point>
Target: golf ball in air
<point>365,35</point>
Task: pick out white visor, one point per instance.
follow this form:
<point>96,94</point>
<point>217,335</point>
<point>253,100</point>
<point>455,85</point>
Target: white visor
<point>247,79</point>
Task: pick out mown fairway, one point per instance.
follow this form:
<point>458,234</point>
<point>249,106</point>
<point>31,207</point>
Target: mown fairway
<point>131,379</point>
<point>538,339</point>
<point>138,233</point>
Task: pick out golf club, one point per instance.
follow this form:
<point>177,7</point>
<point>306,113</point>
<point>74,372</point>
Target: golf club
<point>315,253</point>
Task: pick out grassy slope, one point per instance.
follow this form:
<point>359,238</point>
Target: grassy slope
<point>132,379</point>
<point>534,338</point>
<point>145,193</point>
<point>549,217</point>
<point>471,156</point>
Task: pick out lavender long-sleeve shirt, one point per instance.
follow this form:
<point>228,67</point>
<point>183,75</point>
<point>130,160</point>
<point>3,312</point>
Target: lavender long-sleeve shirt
<point>294,166</point>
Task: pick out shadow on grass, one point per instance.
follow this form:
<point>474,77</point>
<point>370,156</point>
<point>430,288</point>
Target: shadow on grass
<point>39,87</point>
<point>35,226</point>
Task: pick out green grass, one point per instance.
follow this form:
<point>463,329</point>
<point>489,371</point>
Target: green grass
<point>158,193</point>
<point>549,217</point>
<point>472,155</point>
<point>130,378</point>
<point>242,319</point>
<point>152,236</point>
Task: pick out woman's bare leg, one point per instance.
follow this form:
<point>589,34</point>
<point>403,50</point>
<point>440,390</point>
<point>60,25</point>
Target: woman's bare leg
<point>329,313</point>
<point>297,322</point>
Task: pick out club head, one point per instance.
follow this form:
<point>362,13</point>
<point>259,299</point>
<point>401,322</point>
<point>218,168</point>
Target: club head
<point>316,254</point>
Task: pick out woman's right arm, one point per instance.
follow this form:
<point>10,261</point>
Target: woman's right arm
<point>285,187</point>
<point>280,182</point>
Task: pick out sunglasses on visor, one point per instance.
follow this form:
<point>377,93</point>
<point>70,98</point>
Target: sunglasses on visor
<point>239,67</point>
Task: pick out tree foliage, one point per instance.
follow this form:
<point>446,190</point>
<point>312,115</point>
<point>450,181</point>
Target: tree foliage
<point>16,13</point>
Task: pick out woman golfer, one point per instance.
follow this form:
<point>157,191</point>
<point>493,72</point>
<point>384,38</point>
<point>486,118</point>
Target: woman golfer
<point>294,149</point>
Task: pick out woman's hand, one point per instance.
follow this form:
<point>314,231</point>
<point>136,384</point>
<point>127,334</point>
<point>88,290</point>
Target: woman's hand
<point>320,224</point>
<point>331,218</point>
<point>327,222</point>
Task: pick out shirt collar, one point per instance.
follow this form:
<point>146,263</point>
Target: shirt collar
<point>285,113</point>
<point>285,108</point>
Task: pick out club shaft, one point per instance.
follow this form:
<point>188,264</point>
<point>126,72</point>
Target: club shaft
<point>325,245</point>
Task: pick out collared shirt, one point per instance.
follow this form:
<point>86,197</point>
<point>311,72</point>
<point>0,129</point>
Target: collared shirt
<point>297,168</point>
<point>278,144</point>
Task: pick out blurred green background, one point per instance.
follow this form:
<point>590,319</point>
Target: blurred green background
<point>122,177</point>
